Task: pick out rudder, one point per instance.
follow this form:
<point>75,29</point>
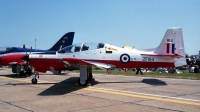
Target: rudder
<point>172,43</point>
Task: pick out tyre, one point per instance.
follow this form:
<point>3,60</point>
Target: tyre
<point>85,83</point>
<point>34,81</point>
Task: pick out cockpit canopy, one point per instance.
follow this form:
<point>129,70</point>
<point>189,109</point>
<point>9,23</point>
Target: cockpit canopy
<point>81,47</point>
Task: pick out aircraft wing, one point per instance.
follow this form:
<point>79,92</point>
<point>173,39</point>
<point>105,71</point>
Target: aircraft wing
<point>101,65</point>
<point>71,61</point>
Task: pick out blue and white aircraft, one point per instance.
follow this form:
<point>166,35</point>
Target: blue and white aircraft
<point>12,55</point>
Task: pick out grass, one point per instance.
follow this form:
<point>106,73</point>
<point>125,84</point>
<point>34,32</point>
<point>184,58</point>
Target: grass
<point>185,75</point>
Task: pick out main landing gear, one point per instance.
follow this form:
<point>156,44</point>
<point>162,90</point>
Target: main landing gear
<point>85,75</point>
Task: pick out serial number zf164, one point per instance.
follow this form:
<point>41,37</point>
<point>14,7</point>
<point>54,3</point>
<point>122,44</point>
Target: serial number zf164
<point>148,59</point>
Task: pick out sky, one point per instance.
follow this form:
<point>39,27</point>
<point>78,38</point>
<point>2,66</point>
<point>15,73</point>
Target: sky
<point>139,23</point>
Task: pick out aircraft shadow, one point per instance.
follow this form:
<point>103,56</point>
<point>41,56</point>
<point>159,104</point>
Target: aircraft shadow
<point>63,87</point>
<point>96,82</point>
<point>154,82</point>
<point>67,86</point>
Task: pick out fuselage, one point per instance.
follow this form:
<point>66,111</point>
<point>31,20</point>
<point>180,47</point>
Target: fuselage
<point>107,54</point>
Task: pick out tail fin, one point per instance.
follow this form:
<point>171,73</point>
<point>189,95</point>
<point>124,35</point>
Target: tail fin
<point>64,41</point>
<point>172,43</point>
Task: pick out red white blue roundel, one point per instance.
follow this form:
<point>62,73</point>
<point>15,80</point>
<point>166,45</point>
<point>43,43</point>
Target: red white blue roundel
<point>124,58</point>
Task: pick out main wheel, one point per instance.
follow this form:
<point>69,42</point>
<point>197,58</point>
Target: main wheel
<point>34,81</point>
<point>83,83</point>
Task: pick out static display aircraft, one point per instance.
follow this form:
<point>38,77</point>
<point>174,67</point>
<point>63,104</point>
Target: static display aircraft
<point>12,55</point>
<point>101,55</point>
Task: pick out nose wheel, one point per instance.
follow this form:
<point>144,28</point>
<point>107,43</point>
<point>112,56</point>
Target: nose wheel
<point>34,80</point>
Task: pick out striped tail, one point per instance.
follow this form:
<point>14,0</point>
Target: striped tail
<point>172,43</point>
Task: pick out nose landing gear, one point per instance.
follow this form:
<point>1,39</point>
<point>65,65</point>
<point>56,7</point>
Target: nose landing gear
<point>34,80</point>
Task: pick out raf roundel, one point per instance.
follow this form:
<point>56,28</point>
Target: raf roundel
<point>124,58</point>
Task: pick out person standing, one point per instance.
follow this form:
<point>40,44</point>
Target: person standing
<point>196,69</point>
<point>139,70</point>
<point>188,61</point>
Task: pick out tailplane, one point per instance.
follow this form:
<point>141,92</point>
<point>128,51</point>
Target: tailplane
<point>64,41</point>
<point>172,43</point>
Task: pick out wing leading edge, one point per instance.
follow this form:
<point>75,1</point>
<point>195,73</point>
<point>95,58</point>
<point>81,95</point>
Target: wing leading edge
<point>71,61</point>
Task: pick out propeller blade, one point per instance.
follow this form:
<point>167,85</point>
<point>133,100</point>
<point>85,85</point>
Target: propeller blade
<point>24,46</point>
<point>30,50</point>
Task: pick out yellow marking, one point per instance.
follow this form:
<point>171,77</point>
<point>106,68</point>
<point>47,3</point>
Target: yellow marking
<point>143,96</point>
<point>127,47</point>
<point>110,48</point>
<point>122,93</point>
<point>28,81</point>
<point>14,79</point>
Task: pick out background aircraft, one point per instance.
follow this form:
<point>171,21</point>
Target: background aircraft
<point>12,55</point>
<point>101,55</point>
